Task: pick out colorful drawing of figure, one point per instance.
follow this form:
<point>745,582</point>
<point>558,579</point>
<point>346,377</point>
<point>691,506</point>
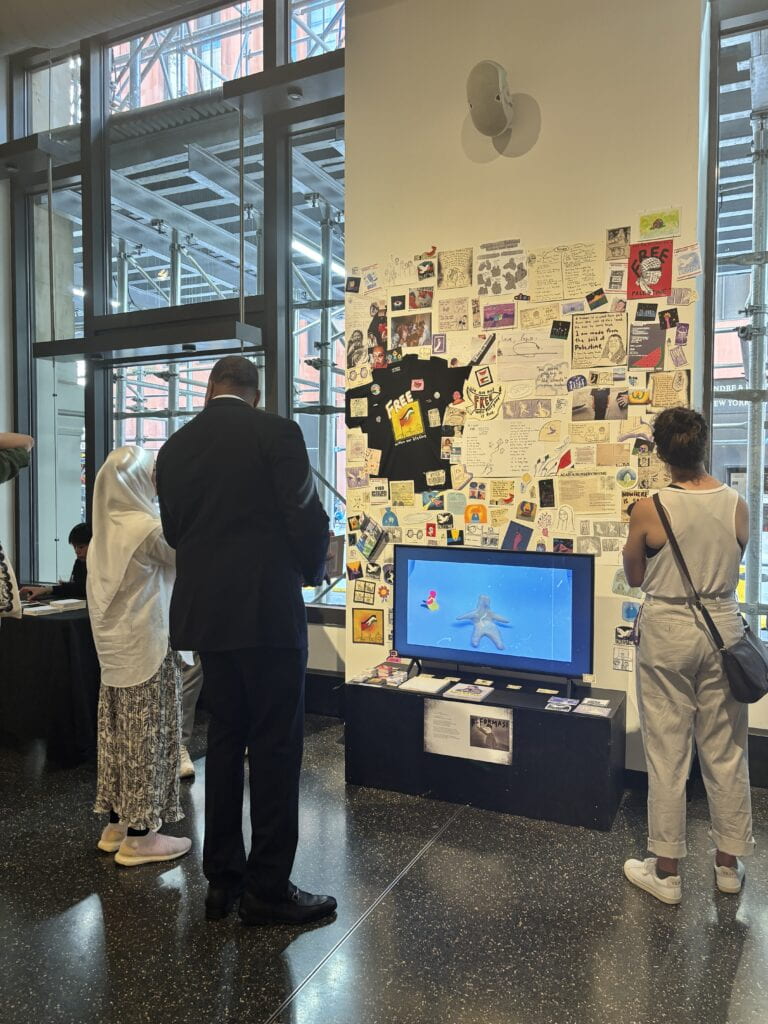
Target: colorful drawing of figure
<point>484,623</point>
<point>431,602</point>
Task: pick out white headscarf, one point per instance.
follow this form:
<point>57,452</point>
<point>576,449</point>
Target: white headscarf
<point>124,515</point>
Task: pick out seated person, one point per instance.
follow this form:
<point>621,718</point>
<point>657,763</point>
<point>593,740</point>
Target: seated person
<point>79,538</point>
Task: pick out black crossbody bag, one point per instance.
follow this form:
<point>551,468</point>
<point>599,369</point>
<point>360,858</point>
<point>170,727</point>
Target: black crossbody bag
<point>746,661</point>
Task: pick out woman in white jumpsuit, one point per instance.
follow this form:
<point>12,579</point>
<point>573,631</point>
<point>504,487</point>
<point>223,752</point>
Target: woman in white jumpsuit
<point>682,690</point>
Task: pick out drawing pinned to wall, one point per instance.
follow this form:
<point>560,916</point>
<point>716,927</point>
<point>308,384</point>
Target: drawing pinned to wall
<point>545,275</point>
<point>663,223</point>
<point>532,315</point>
<point>454,268</point>
<point>687,262</point>
<point>599,339</point>
<point>453,314</point>
<point>617,243</point>
<point>501,267</point>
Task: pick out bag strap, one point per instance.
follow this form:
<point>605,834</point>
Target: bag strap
<point>685,573</point>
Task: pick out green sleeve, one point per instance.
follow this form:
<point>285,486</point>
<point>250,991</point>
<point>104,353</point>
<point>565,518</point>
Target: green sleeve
<point>11,461</point>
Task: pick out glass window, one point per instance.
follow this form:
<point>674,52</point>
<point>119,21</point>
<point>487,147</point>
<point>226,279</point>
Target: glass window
<point>59,459</point>
<point>317,26</point>
<point>152,400</point>
<point>191,56</point>
<point>53,95</point>
<point>318,307</point>
<point>56,254</point>
<point>175,207</point>
<point>739,341</point>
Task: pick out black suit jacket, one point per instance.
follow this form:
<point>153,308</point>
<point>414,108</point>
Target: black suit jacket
<point>239,505</point>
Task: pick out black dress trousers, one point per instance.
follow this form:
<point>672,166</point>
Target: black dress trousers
<point>256,700</point>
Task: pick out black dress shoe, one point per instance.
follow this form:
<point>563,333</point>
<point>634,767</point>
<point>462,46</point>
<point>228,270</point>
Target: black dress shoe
<point>219,902</point>
<point>296,907</point>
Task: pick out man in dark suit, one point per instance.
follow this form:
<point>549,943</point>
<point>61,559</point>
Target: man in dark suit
<point>239,505</point>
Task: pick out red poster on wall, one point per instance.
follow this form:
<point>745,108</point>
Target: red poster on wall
<point>650,269</point>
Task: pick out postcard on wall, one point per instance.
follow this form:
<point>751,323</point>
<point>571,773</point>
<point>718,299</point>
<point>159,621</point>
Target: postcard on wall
<point>669,388</point>
<point>687,262</point>
<point>664,223</point>
<point>454,268</point>
<point>545,275</point>
<point>599,403</point>
<point>589,493</point>
<point>590,431</point>
<point>421,297</point>
<point>499,316</point>
<point>646,346</point>
<point>411,330</point>
<point>580,269</point>
<point>599,339</point>
<point>533,355</point>
<point>453,314</point>
<point>616,276</point>
<point>650,269</point>
<point>498,447</point>
<point>367,626</point>
<point>533,315</point>
<point>501,268</point>
<point>617,243</point>
<point>401,492</point>
<point>460,729</point>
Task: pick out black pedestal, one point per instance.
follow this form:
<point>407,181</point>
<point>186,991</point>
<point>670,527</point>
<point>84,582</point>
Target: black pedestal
<point>567,768</point>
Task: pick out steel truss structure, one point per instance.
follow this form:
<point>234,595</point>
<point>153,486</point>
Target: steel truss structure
<point>188,217</point>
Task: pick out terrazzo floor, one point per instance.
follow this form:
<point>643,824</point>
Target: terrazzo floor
<point>446,914</point>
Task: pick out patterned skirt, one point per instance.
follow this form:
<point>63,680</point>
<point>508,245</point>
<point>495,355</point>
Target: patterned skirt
<point>139,732</point>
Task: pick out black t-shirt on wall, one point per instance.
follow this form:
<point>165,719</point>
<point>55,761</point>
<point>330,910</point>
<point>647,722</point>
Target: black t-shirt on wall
<point>403,415</point>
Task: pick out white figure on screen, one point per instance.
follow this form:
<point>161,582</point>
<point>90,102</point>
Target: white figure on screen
<point>485,623</point>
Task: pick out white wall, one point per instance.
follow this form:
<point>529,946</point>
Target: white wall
<point>618,87</point>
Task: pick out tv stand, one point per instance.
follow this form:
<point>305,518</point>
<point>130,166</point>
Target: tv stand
<point>566,768</point>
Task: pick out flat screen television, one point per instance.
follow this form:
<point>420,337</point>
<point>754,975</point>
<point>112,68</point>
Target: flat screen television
<point>521,611</point>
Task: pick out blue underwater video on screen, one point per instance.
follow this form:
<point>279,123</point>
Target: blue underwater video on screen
<point>513,611</point>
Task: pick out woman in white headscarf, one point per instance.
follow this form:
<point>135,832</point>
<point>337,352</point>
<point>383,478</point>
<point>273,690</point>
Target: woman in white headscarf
<point>131,570</point>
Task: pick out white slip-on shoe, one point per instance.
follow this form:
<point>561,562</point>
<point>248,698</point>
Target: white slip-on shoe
<point>150,849</point>
<point>112,837</point>
<point>186,764</point>
<point>642,873</point>
<point>730,879</point>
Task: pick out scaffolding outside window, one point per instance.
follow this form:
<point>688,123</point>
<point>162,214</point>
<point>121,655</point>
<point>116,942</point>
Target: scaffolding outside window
<point>175,207</point>
<point>151,401</point>
<point>193,55</point>
<point>317,26</point>
<point>317,315</point>
<point>741,300</point>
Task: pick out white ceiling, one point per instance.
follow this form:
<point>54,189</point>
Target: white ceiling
<point>48,24</point>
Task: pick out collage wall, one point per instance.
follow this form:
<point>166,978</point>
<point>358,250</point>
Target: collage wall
<point>501,394</point>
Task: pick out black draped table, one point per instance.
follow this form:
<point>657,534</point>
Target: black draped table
<point>49,683</point>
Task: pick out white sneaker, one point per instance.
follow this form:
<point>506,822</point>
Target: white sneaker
<point>730,879</point>
<point>186,764</point>
<point>151,848</point>
<point>112,837</point>
<point>642,873</point>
